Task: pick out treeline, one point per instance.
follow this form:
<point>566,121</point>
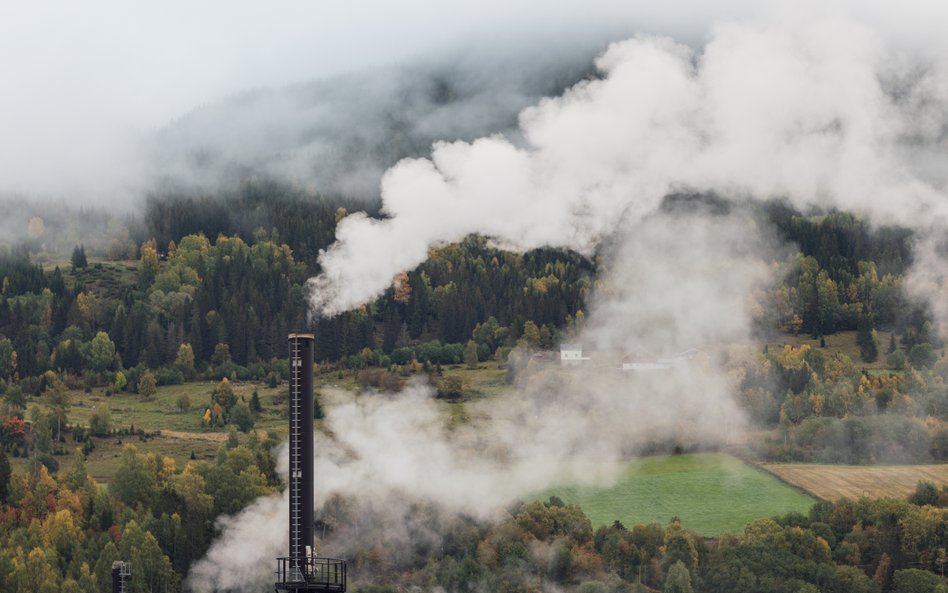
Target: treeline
<point>847,276</point>
<point>232,303</point>
<point>867,546</point>
<point>60,534</point>
<point>839,241</point>
<point>304,222</point>
<point>827,410</point>
<point>229,302</point>
<point>460,289</point>
<point>63,533</point>
<point>54,228</point>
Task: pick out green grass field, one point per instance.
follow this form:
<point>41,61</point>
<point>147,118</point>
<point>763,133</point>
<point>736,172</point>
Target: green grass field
<point>712,493</point>
<point>161,411</point>
<point>182,431</point>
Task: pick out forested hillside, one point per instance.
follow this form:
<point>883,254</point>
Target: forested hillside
<point>206,287</point>
<point>220,279</point>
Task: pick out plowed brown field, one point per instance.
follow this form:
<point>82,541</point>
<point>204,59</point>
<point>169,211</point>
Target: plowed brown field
<point>831,482</point>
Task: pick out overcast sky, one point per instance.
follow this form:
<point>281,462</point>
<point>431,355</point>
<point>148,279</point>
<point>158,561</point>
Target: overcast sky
<point>82,82</point>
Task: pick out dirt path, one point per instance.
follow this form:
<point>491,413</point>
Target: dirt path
<point>210,437</point>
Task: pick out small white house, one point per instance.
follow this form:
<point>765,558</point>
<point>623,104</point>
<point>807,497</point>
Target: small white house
<point>572,354</point>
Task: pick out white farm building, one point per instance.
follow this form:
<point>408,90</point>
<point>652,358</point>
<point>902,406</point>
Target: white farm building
<point>572,354</point>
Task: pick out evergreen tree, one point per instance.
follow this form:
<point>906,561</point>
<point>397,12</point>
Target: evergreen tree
<point>255,406</point>
<point>866,339</point>
<point>79,257</point>
<point>317,409</point>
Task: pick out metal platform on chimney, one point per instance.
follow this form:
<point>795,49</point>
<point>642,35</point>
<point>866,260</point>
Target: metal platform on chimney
<point>312,574</point>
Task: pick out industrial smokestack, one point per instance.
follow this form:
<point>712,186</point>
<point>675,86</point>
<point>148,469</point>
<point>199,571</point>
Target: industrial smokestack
<point>120,573</point>
<point>301,570</point>
<point>301,446</point>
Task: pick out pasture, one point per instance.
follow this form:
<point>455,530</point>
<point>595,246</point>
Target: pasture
<point>182,432</point>
<point>712,493</point>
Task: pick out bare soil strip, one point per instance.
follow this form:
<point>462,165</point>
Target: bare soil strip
<point>210,437</point>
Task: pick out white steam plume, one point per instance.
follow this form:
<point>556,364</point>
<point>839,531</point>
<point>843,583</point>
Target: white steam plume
<point>389,452</point>
<point>927,279</point>
<point>812,113</point>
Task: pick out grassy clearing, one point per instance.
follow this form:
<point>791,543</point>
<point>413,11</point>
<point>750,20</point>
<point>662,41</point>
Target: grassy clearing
<point>161,411</point>
<point>182,432</point>
<point>488,380</point>
<point>712,493</point>
<point>104,460</point>
<point>105,279</point>
<point>845,342</point>
<point>832,482</point>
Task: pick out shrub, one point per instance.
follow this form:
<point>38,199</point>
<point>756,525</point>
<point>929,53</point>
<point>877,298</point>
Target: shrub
<point>49,461</point>
<point>242,417</point>
<point>382,380</point>
<point>896,360</point>
<point>317,409</point>
<point>169,376</point>
<point>922,356</point>
<point>100,424</point>
<point>451,387</point>
<point>925,493</point>
<point>224,394</point>
<point>147,385</point>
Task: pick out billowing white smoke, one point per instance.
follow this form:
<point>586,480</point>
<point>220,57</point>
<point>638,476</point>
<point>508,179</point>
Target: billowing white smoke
<point>679,281</point>
<point>763,111</point>
<point>927,279</point>
<point>664,292</point>
<point>391,451</point>
<point>805,113</point>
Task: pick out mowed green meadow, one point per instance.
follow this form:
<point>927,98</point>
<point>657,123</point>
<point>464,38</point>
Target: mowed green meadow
<point>712,493</point>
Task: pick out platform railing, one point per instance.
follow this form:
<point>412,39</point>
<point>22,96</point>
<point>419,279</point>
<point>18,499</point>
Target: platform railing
<point>311,574</point>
